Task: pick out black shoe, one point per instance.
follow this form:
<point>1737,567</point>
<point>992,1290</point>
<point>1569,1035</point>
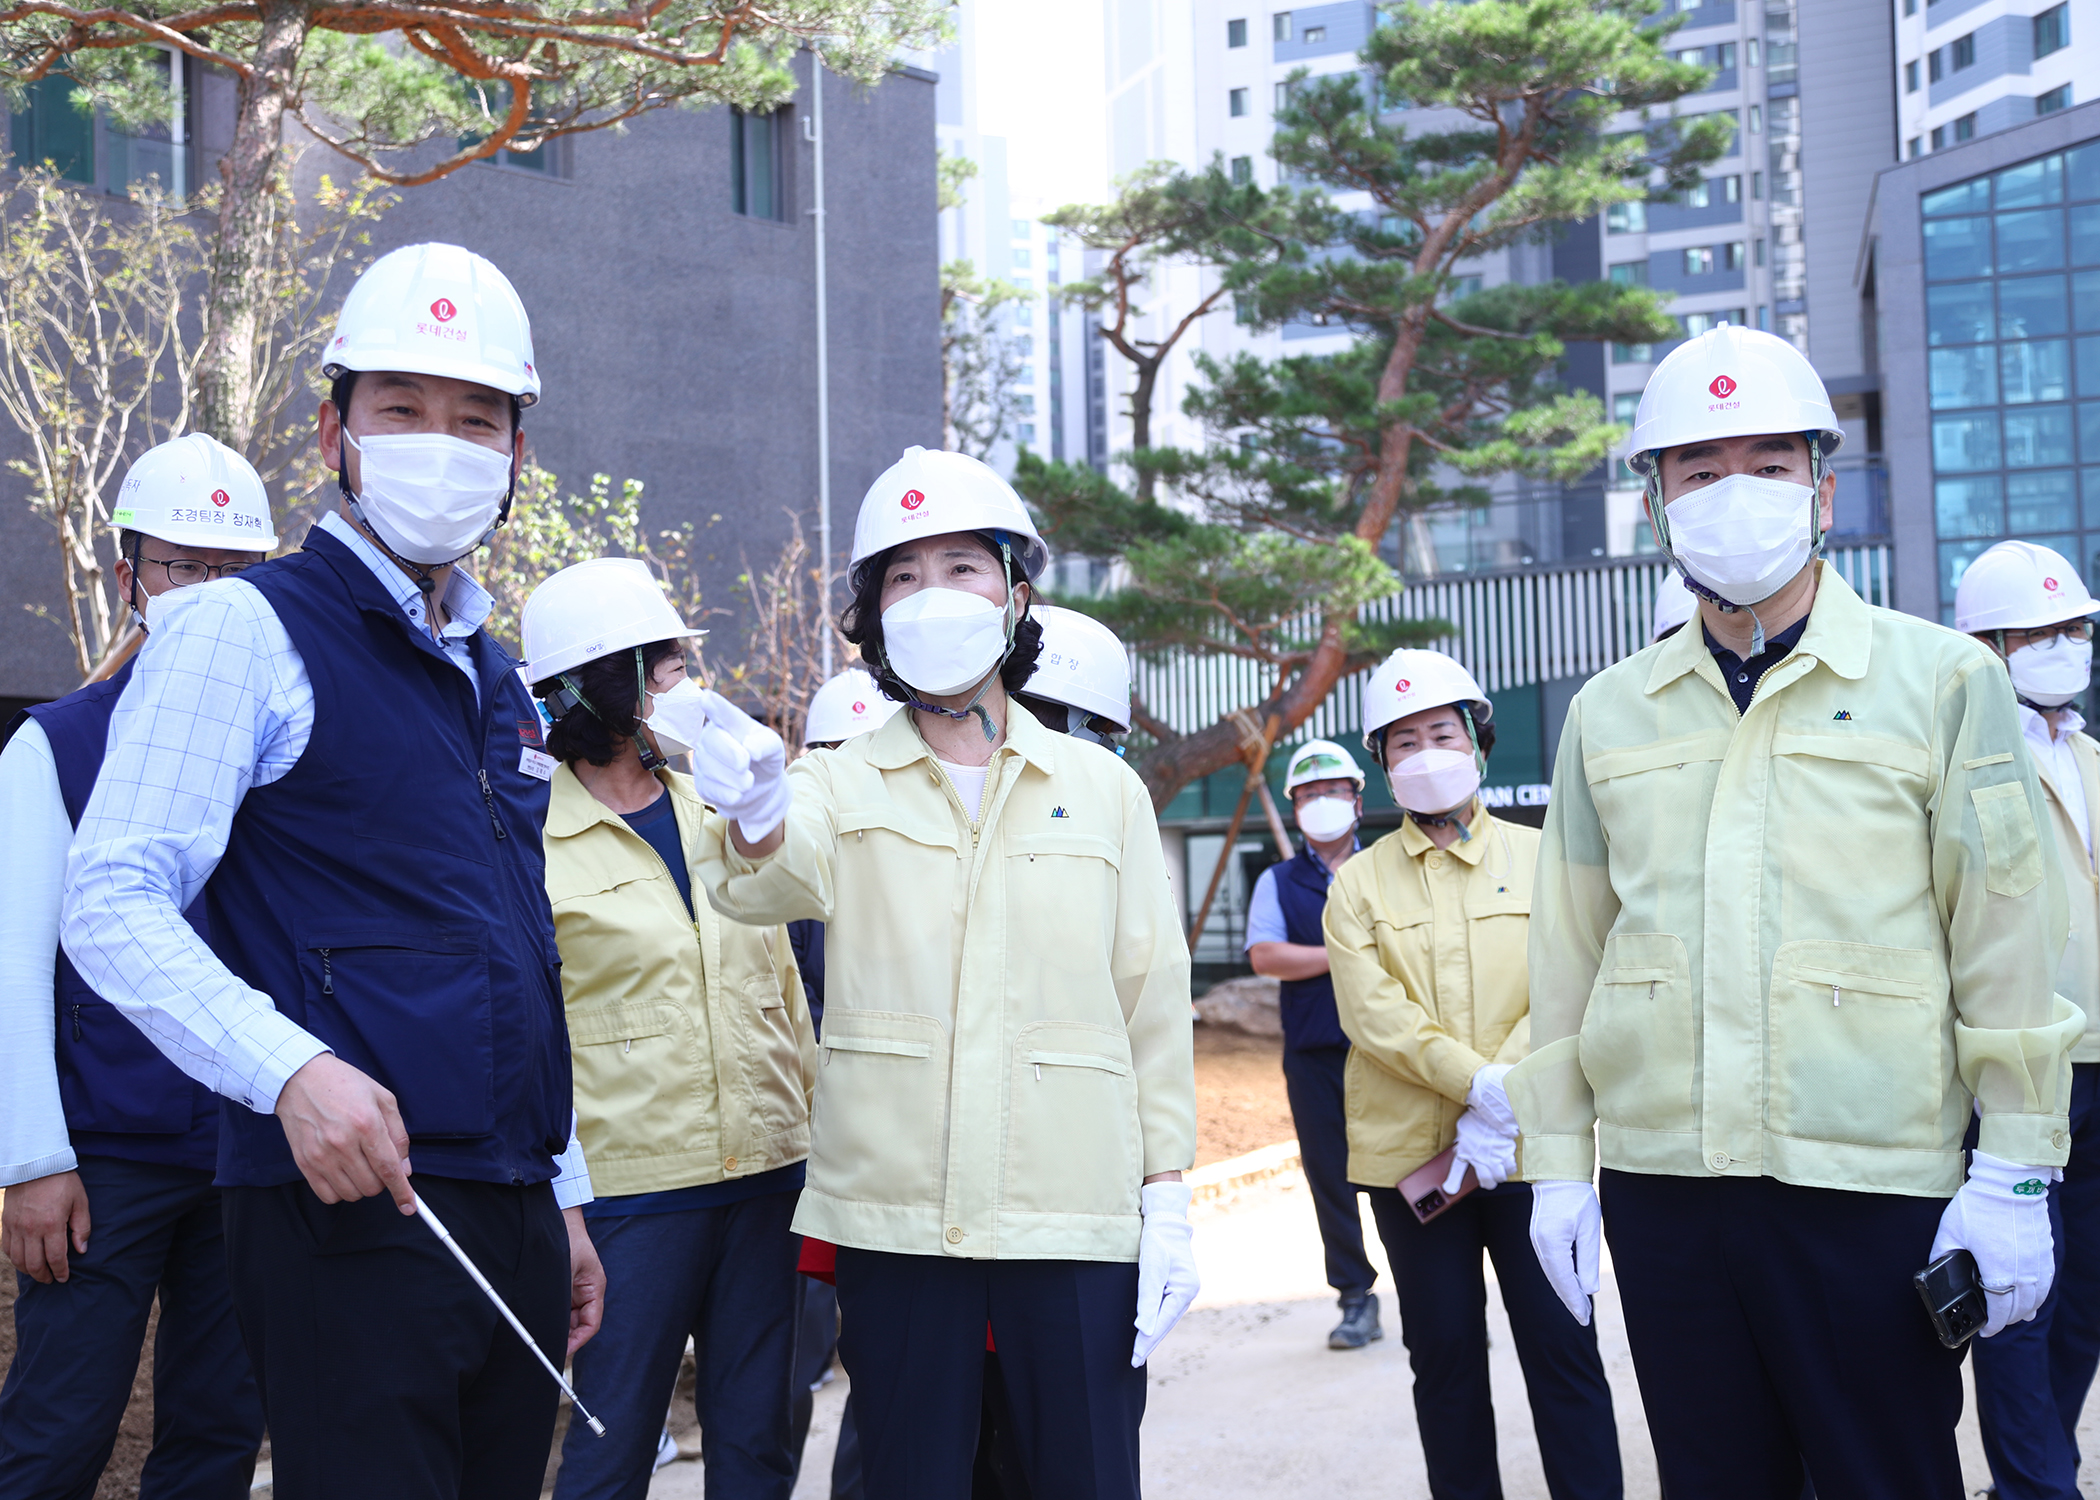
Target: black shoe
<point>1359,1325</point>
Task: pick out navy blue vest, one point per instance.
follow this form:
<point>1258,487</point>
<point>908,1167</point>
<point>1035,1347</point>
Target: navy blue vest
<point>1309,1017</point>
<point>122,1097</point>
<point>389,892</point>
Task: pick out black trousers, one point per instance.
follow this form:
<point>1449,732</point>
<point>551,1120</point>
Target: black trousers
<point>1312,1080</point>
<point>912,1334</point>
<point>156,1232</point>
<point>1443,1320</point>
<point>384,1370</point>
<point>1775,1327</point>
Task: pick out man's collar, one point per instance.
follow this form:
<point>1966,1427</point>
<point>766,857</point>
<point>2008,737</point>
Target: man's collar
<point>898,743</point>
<point>2036,726</point>
<point>1840,635</point>
<point>466,602</point>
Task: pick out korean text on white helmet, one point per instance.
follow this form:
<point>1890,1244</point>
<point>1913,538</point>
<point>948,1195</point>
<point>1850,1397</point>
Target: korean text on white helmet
<point>1674,605</point>
<point>1409,681</point>
<point>591,609</point>
<point>931,492</point>
<point>436,310</point>
<point>195,491</point>
<point>848,704</point>
<point>2019,585</point>
<point>1320,760</point>
<point>1082,665</point>
<point>1731,382</point>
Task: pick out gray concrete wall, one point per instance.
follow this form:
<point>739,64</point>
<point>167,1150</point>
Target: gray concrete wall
<point>1894,255</point>
<point>675,337</point>
<point>1848,133</point>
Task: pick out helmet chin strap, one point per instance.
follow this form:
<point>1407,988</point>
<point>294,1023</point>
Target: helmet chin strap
<point>974,706</point>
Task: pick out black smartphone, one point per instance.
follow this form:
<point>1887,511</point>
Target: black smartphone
<point>1953,1296</point>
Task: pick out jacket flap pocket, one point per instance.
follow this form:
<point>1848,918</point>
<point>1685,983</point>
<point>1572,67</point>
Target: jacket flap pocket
<point>1908,972</point>
<point>404,935</point>
<point>1643,958</point>
<point>1631,760</point>
<point>1077,1060</point>
<point>1412,916</point>
<point>2012,855</point>
<point>1865,748</point>
<point>890,819</point>
<point>619,1021</point>
<point>1089,845</point>
<point>892,1046</point>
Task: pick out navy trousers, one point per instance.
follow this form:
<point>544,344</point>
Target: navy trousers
<point>2032,1444</point>
<point>155,1230</point>
<point>912,1334</point>
<point>1774,1328</point>
<point>1312,1080</point>
<point>384,1370</point>
<point>1437,1274</point>
<point>726,1277</point>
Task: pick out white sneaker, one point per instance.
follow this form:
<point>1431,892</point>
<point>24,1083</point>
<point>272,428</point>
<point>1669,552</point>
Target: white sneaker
<point>666,1450</point>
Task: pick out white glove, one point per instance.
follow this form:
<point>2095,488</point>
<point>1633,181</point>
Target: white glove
<point>1565,1223</point>
<point>740,766</point>
<point>2001,1216</point>
<point>1167,1279</point>
<point>1487,1133</point>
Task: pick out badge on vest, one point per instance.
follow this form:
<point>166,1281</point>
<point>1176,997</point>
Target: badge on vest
<point>537,764</point>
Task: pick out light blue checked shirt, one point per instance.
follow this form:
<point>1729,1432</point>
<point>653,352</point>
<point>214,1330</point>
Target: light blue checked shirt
<point>219,702</point>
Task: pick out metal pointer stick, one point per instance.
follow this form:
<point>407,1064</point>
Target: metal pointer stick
<point>437,1227</point>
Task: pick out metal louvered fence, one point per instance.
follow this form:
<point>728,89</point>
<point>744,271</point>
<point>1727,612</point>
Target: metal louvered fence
<point>1513,629</point>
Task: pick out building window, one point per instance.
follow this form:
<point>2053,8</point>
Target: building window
<point>1235,33</point>
<point>1633,354</point>
<point>2056,99</point>
<point>1750,52</point>
<point>1764,316</point>
<point>1283,97</point>
<point>1732,256</point>
<point>1965,128</point>
<point>1025,434</point>
<point>1757,185</point>
<point>1314,35</point>
<point>1939,137</point>
<point>1697,323</point>
<point>1965,52</point>
<point>1910,7</point>
<point>2052,30</point>
<point>1236,102</point>
<point>1625,407</point>
<point>1757,119</point>
<point>1021,258</point>
<point>1280,25</point>
<point>1630,273</point>
<point>1915,147</point>
<point>1936,65</point>
<point>1242,170</point>
<point>1698,260</point>
<point>1760,250</point>
<point>1626,218</point>
<point>1910,76</point>
<point>52,129</point>
<point>754,165</point>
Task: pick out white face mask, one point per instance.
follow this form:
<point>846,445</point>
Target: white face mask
<point>161,607</point>
<point>1742,536</point>
<point>677,716</point>
<point>1431,782</point>
<point>2054,674</point>
<point>1325,819</point>
<point>943,641</point>
<point>431,497</point>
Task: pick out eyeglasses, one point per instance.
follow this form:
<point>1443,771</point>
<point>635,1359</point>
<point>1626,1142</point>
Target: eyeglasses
<point>2045,637</point>
<point>184,571</point>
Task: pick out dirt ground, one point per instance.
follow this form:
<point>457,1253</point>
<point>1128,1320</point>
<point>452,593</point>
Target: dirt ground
<point>1240,1106</point>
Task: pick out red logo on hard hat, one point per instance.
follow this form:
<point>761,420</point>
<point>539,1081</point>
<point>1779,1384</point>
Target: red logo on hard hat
<point>2048,583</point>
<point>1402,685</point>
<point>1722,387</point>
<point>443,310</point>
<point>913,500</point>
<point>860,708</point>
<point>221,498</point>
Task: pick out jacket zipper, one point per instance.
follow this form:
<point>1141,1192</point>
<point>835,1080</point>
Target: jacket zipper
<point>327,973</point>
<point>76,1021</point>
<point>488,797</point>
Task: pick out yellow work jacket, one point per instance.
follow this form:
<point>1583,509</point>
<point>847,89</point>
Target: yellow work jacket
<point>2078,976</point>
<point>691,1036</point>
<point>1007,1051</point>
<point>1426,948</point>
<point>1793,942</point>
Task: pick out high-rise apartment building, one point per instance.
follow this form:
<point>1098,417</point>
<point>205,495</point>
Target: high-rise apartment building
<point>1970,68</point>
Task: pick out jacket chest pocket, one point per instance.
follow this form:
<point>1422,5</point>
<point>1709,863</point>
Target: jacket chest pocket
<point>1857,1051</point>
<point>1072,1140</point>
<point>1073,875</point>
<point>1638,1045</point>
<point>877,1129</point>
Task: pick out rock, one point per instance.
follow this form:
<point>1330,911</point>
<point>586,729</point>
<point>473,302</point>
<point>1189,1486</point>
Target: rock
<point>1248,1004</point>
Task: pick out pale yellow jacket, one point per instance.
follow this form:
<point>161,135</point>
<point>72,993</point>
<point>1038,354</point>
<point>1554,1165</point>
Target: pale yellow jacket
<point>691,1037</point>
<point>2078,976</point>
<point>1793,942</point>
<point>1007,1051</point>
<point>1426,948</point>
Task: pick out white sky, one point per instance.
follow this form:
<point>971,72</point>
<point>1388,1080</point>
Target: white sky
<point>1040,85</point>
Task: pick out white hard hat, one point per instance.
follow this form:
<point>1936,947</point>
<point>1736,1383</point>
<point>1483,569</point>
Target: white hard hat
<point>1674,605</point>
<point>1409,681</point>
<point>196,492</point>
<point>1731,382</point>
<point>931,492</point>
<point>436,310</point>
<point>2016,585</point>
<point>1319,760</point>
<point>1082,665</point>
<point>847,705</point>
<point>590,609</point>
